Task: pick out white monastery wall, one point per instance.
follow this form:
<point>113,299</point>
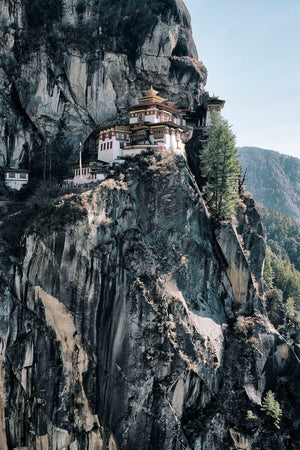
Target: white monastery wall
<point>15,180</point>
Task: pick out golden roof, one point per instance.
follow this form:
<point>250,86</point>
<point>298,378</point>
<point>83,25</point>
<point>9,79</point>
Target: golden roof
<point>150,96</point>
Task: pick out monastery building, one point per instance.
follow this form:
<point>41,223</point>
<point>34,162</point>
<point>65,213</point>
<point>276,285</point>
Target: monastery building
<point>153,123</point>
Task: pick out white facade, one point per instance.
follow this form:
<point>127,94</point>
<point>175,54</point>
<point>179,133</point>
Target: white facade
<point>15,179</point>
<point>86,175</point>
<point>153,123</point>
<point>173,142</point>
<point>208,114</point>
<point>212,104</point>
<point>155,115</point>
<point>170,138</point>
<point>111,142</point>
<point>132,150</point>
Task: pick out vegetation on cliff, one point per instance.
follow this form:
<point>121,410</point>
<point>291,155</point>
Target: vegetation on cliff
<point>282,267</point>
<point>283,236</point>
<point>272,408</point>
<point>213,159</point>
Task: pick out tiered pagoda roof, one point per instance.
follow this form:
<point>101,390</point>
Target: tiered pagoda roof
<point>152,99</point>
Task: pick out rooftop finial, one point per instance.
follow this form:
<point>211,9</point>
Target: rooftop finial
<point>150,95</point>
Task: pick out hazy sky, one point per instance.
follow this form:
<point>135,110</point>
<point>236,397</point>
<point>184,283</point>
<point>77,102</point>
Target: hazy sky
<point>251,49</point>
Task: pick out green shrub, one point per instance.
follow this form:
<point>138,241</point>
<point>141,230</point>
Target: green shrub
<point>272,408</point>
<point>290,306</point>
<point>250,415</point>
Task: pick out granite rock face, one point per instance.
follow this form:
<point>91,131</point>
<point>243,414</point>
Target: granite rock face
<point>125,320</point>
<point>66,66</point>
<point>121,328</point>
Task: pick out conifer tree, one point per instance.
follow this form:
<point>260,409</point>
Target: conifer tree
<point>272,408</point>
<point>221,167</point>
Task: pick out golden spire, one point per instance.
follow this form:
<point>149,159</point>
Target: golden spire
<point>150,96</point>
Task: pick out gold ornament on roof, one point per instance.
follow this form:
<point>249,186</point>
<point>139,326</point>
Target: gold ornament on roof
<point>150,96</point>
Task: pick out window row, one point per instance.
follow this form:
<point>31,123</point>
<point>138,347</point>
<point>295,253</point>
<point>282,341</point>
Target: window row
<point>165,117</point>
<point>106,145</point>
<point>122,136</point>
<point>158,133</point>
<point>84,172</point>
<point>22,176</point>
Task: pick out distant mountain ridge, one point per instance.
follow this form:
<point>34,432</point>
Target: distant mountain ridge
<point>273,179</point>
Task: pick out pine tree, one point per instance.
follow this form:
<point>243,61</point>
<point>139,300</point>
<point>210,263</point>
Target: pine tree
<point>272,408</point>
<point>221,167</point>
<point>268,274</point>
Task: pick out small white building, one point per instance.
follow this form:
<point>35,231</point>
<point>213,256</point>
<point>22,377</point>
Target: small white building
<point>15,178</point>
<point>212,104</point>
<point>111,141</point>
<point>91,172</point>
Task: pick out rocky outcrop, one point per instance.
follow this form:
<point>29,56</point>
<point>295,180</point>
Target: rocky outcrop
<point>68,66</point>
<point>124,321</point>
<point>244,247</point>
<point>122,327</point>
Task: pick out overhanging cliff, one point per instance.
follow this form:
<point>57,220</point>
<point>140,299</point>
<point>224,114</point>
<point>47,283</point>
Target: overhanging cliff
<point>124,320</point>
<point>68,66</point>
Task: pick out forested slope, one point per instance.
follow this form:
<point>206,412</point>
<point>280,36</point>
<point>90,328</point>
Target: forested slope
<point>282,267</point>
<point>273,179</point>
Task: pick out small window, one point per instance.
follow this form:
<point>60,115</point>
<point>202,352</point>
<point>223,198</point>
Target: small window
<point>23,176</point>
<point>110,144</point>
<point>11,175</point>
<point>104,146</point>
<point>101,146</point>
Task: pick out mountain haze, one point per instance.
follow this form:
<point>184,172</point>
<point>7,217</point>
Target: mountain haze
<point>273,179</point>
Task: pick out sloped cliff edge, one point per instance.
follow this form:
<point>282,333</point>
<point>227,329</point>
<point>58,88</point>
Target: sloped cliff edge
<point>121,328</point>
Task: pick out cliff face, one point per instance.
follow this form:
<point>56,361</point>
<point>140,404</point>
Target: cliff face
<point>125,321</point>
<point>121,327</point>
<point>67,66</point>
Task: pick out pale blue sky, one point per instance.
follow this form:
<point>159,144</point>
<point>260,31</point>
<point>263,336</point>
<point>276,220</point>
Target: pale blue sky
<point>251,49</point>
